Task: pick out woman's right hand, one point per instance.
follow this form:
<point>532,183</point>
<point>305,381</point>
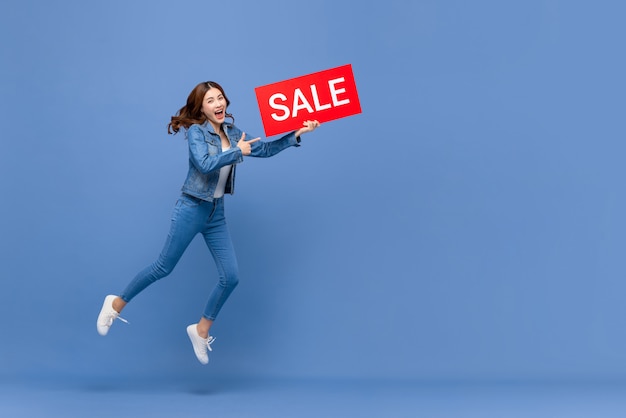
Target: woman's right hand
<point>245,146</point>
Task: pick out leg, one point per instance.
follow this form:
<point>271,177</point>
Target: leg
<point>186,223</point>
<point>217,238</point>
<point>219,242</point>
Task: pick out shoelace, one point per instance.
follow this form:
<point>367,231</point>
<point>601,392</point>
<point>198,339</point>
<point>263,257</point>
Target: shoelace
<point>114,315</point>
<point>209,342</point>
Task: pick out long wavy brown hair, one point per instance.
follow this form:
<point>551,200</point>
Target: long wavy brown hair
<point>192,111</point>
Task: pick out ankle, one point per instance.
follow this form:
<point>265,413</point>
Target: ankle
<point>203,327</point>
<point>202,331</point>
<point>118,304</point>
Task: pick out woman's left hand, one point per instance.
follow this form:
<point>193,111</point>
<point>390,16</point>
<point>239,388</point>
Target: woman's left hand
<point>307,126</point>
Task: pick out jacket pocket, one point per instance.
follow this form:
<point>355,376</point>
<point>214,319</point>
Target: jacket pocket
<point>213,148</point>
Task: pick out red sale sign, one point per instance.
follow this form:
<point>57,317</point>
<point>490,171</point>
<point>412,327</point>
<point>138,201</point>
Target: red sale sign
<point>323,96</point>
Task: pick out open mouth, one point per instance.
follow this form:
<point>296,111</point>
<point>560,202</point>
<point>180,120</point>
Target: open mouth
<point>219,113</point>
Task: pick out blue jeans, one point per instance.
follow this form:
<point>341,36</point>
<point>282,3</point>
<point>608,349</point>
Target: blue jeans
<point>193,216</point>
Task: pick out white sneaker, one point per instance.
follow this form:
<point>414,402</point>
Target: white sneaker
<point>201,346</point>
<point>107,315</point>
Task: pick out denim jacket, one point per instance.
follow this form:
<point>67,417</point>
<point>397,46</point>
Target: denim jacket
<point>206,157</point>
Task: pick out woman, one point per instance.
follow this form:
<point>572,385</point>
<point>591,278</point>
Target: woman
<point>215,148</point>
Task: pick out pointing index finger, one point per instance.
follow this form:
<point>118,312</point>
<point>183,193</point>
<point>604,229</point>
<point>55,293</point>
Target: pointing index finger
<point>252,141</point>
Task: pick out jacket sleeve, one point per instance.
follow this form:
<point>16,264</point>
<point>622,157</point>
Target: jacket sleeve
<point>205,156</point>
<point>264,149</point>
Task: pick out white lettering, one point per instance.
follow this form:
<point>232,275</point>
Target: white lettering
<point>305,104</point>
<point>281,104</point>
<point>276,106</point>
<point>334,92</point>
<point>316,99</point>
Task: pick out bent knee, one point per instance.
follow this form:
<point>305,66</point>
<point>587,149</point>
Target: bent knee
<point>161,270</point>
<point>230,280</point>
<point>233,282</point>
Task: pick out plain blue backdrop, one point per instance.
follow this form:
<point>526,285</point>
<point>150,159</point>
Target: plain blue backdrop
<point>467,225</point>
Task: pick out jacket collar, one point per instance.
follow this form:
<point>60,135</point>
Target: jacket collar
<point>207,125</point>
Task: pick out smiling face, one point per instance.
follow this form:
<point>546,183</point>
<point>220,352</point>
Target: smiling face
<point>214,107</point>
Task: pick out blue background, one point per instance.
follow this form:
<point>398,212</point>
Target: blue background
<point>467,225</point>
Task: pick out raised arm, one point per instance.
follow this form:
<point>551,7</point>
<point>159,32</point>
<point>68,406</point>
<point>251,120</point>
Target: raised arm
<point>264,149</point>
